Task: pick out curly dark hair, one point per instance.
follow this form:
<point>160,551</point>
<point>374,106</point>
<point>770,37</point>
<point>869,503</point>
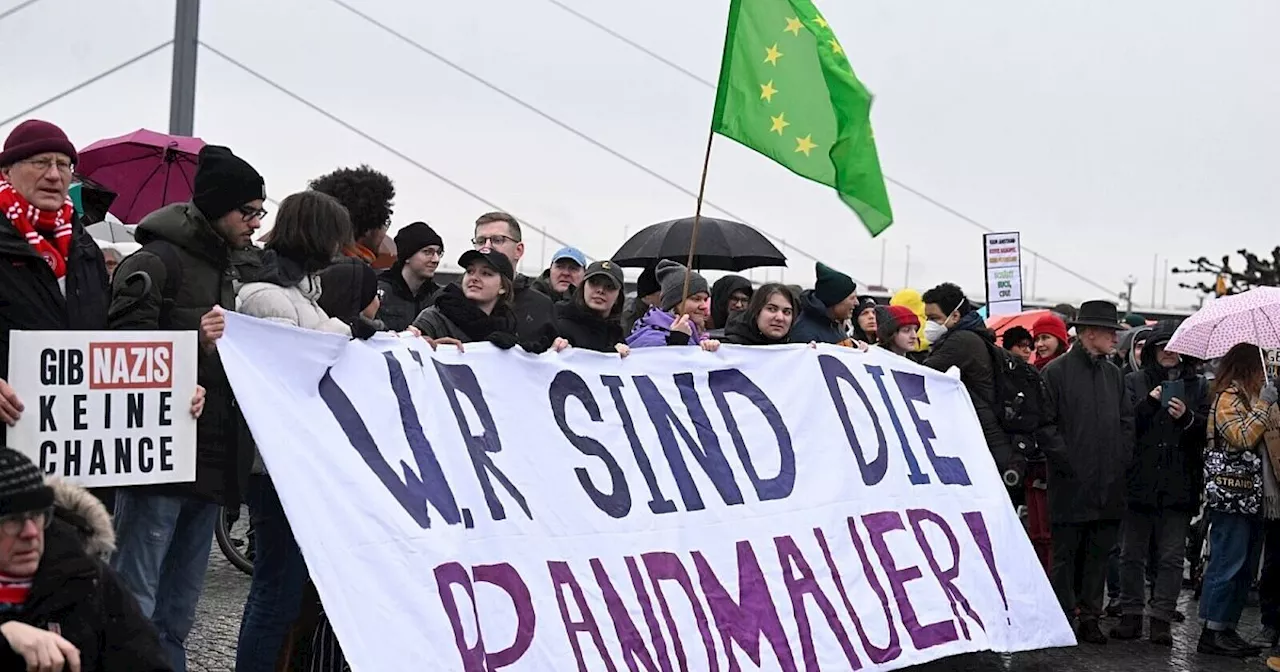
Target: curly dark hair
<point>366,193</point>
<point>949,296</point>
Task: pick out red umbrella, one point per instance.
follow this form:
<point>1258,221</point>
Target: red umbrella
<point>1024,319</point>
<point>148,170</point>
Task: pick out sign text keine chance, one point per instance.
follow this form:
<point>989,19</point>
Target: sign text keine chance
<point>106,408</point>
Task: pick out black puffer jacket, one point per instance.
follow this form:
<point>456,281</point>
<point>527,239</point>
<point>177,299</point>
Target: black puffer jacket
<point>586,329</point>
<point>454,316</point>
<point>1168,457</point>
<point>1094,430</point>
<point>967,346</point>
<point>742,330</point>
<point>535,313</point>
<point>30,299</point>
<point>208,274</point>
<point>84,598</point>
<point>399,305</point>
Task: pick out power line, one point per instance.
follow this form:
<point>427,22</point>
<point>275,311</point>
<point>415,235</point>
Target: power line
<point>86,82</point>
<point>14,10</point>
<point>548,117</point>
<point>705,82</point>
<point>386,147</point>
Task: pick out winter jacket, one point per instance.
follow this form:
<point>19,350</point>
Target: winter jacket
<point>208,277</point>
<point>587,329</point>
<point>543,285</point>
<point>1094,432</point>
<point>286,297</point>
<point>813,325</point>
<point>967,346</point>
<point>720,293</point>
<point>742,330</point>
<point>76,592</point>
<point>912,299</point>
<point>1233,459</point>
<point>454,316</point>
<point>1168,461</point>
<point>30,299</point>
<point>535,313</point>
<point>654,330</point>
<point>399,305</point>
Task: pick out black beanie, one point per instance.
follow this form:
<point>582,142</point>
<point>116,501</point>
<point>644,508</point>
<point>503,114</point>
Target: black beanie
<point>832,286</point>
<point>346,288</point>
<point>22,487</point>
<point>647,283</point>
<point>414,237</point>
<point>224,182</point>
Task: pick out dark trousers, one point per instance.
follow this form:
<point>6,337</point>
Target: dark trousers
<point>1168,529</point>
<point>279,576</point>
<point>1269,586</point>
<point>1080,553</point>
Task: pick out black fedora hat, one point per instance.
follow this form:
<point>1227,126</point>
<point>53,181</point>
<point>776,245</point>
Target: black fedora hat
<point>1101,314</point>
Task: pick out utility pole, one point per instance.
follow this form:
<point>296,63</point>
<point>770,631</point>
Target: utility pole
<point>906,281</point>
<point>884,250</point>
<point>1128,295</point>
<point>1155,270</point>
<point>1164,299</point>
<point>182,87</point>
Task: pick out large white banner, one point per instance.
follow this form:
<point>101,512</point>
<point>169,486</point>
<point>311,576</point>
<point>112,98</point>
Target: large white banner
<point>784,508</point>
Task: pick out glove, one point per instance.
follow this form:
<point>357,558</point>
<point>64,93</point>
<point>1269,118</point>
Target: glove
<point>503,340</point>
<point>1269,394</point>
<point>364,328</point>
<point>535,346</point>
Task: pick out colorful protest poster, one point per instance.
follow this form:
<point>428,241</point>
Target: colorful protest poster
<point>1003,260</point>
<point>787,508</point>
<point>106,408</point>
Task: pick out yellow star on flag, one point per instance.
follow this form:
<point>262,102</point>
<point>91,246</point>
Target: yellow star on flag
<point>771,55</point>
<point>779,123</point>
<point>767,91</point>
<point>820,21</point>
<point>835,47</point>
<point>794,26</point>
<point>805,144</point>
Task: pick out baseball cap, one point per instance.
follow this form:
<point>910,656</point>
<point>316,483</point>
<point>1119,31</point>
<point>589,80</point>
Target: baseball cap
<point>570,253</point>
<point>496,260</point>
<point>605,268</point>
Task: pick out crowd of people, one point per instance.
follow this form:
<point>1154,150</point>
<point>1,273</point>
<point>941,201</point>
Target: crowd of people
<point>1110,455</point>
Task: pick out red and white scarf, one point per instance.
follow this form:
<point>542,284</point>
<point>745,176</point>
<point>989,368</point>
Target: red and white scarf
<point>48,233</point>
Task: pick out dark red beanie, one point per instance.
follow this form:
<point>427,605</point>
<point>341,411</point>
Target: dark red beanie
<point>33,137</point>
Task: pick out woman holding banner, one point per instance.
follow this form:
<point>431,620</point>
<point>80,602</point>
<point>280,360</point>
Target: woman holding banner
<point>309,232</point>
<point>680,318</point>
<point>591,318</point>
<point>478,310</point>
<point>767,319</point>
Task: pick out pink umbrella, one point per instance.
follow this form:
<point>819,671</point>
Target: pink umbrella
<point>1249,317</point>
<point>148,170</point>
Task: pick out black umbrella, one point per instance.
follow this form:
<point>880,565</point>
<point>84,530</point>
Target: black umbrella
<point>722,246</point>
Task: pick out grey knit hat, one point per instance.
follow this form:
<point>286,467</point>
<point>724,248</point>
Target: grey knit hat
<point>22,486</point>
<point>671,279</point>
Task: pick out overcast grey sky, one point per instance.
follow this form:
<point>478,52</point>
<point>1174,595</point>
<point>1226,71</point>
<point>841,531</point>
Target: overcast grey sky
<point>1106,132</point>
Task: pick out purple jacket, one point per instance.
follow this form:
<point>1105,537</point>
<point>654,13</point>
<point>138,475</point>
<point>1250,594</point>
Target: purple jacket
<point>652,330</point>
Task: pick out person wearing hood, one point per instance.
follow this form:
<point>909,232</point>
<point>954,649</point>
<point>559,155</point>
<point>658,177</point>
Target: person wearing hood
<point>960,339</point>
<point>864,321</point>
<point>309,232</point>
<point>648,294</point>
<point>677,319</point>
<point>826,308</point>
<point>1050,333</point>
<point>897,330</point>
<point>349,292</point>
<point>591,317</point>
<point>767,319</point>
<point>407,288</point>
<point>62,607</point>
<point>1171,409</point>
<point>729,296</point>
<point>563,275</point>
<point>1131,344</point>
<point>913,300</point>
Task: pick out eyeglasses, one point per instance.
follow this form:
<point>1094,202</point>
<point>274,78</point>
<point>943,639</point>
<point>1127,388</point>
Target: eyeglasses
<point>492,241</point>
<point>13,524</point>
<point>249,213</point>
<point>432,251</point>
<point>43,165</point>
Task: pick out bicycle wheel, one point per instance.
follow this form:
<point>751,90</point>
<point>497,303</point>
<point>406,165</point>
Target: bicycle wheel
<point>235,537</point>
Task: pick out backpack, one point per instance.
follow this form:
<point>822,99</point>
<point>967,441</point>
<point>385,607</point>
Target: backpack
<point>1020,397</point>
<point>168,254</point>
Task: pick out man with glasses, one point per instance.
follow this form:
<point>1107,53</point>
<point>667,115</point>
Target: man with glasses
<point>407,287</point>
<point>535,312</point>
<point>61,608</point>
<point>52,273</point>
<point>184,270</point>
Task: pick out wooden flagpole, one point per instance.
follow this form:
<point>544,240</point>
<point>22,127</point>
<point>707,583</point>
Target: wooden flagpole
<point>697,219</point>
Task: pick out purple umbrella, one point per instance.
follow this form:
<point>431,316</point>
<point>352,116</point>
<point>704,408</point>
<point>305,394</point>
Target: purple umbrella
<point>148,170</point>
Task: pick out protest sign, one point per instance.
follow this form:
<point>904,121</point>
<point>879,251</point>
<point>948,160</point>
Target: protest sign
<point>106,408</point>
<point>1003,260</point>
<point>783,508</point>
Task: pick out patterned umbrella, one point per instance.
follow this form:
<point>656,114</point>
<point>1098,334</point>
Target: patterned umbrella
<point>1249,317</point>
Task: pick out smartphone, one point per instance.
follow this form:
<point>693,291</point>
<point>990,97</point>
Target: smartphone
<point>1171,389</point>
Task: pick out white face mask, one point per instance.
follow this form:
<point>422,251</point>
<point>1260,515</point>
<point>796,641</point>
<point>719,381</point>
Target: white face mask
<point>933,331</point>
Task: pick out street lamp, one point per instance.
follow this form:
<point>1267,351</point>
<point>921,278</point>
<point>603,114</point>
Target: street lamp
<point>1128,295</point>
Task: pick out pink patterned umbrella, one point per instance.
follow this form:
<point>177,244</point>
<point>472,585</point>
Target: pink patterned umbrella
<point>148,170</point>
<point>1249,317</point>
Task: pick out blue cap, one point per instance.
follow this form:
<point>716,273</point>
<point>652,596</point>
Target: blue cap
<point>570,253</point>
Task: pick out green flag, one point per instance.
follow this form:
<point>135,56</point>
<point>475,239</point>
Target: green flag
<point>787,90</point>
